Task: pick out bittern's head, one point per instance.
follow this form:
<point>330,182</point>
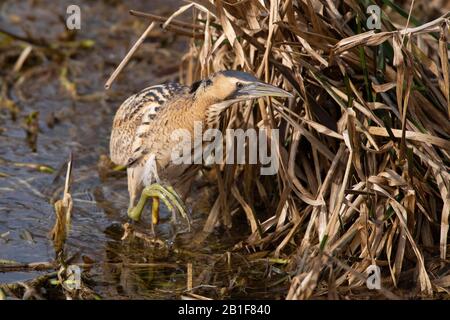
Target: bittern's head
<point>227,87</point>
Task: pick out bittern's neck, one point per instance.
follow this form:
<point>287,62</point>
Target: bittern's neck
<point>191,110</point>
<point>202,104</point>
<point>210,110</point>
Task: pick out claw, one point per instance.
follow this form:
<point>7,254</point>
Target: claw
<point>174,201</point>
<point>168,195</point>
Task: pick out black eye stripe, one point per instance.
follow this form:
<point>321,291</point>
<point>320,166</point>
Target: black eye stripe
<point>195,86</point>
<point>208,82</point>
<point>239,84</point>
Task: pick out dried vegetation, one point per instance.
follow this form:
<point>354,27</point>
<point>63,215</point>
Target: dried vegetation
<point>364,147</point>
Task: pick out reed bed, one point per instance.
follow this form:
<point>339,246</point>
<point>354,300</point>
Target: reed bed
<point>364,147</point>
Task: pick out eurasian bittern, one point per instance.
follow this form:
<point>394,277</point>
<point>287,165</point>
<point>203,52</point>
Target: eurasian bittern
<point>141,133</point>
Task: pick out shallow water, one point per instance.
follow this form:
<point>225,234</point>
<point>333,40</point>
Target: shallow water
<point>82,127</point>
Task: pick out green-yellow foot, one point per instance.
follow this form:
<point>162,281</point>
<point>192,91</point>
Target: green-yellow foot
<point>167,194</point>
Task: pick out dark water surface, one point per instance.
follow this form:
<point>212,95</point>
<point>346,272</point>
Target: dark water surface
<point>82,126</point>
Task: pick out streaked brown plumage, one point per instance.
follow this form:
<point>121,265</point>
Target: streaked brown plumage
<point>142,127</point>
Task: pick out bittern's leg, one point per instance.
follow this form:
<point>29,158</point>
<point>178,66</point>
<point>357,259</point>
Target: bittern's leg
<point>155,211</point>
<point>146,174</point>
<point>155,214</point>
<point>134,186</point>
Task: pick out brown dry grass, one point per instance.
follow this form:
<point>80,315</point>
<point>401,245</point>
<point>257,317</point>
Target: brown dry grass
<point>364,147</point>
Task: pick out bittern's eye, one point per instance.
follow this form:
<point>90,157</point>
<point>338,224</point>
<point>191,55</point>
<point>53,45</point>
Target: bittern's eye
<point>239,85</point>
<point>208,82</point>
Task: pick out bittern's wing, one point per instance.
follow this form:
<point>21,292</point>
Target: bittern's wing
<point>133,120</point>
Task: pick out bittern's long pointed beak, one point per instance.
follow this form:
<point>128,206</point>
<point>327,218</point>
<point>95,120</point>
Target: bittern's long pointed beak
<point>261,89</point>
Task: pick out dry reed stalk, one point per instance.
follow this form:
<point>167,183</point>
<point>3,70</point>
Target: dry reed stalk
<point>63,212</point>
<point>364,152</point>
